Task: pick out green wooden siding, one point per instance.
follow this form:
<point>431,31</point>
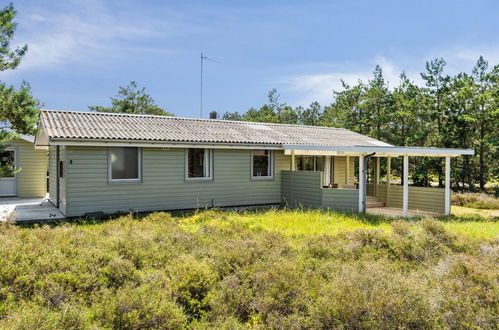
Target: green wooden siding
<point>163,184</point>
<point>53,177</point>
<point>340,199</point>
<point>304,189</point>
<point>32,179</point>
<point>301,188</point>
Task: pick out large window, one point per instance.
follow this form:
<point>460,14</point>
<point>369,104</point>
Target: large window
<point>199,164</point>
<point>309,163</point>
<point>261,164</point>
<point>124,164</point>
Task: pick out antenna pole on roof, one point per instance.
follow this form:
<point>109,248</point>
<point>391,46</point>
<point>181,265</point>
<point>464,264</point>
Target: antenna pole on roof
<point>201,87</point>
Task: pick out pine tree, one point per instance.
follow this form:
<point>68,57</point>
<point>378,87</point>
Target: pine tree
<point>17,107</point>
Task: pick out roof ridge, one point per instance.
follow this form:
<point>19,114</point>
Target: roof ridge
<point>189,118</point>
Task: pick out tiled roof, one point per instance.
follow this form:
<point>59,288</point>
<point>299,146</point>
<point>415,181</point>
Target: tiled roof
<point>81,126</point>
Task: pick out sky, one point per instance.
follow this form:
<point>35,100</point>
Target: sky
<point>80,52</point>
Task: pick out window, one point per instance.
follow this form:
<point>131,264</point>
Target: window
<point>124,164</point>
<point>261,164</point>
<point>199,164</point>
<point>7,164</point>
<point>309,163</point>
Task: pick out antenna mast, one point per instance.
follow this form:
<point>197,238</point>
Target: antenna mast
<point>201,87</point>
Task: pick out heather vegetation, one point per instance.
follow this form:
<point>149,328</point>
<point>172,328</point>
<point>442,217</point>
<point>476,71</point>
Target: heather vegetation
<point>266,269</point>
<point>477,201</point>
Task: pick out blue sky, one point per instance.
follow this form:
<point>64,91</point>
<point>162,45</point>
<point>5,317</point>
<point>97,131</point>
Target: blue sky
<point>81,51</point>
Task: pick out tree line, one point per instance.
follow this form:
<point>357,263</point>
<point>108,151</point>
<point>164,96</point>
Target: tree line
<point>448,111</point>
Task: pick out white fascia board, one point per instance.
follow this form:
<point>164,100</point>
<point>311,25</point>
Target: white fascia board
<point>382,151</point>
<point>142,144</point>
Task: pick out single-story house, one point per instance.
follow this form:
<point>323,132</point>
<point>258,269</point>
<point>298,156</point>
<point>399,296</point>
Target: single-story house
<point>107,162</point>
<point>23,169</point>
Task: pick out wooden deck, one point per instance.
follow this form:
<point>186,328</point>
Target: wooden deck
<point>394,212</point>
<point>26,210</point>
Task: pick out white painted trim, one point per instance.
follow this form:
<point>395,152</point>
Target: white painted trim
<point>347,174</point>
<point>142,144</point>
<point>303,150</point>
<point>110,179</point>
<point>405,202</point>
<point>208,163</point>
<point>271,165</point>
<point>388,179</point>
<point>15,178</point>
<point>447,186</point>
<point>380,151</point>
<point>310,152</point>
<point>362,184</point>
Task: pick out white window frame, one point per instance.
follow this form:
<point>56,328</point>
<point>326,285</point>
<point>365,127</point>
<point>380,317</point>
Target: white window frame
<point>208,164</point>
<point>271,165</point>
<point>110,168</point>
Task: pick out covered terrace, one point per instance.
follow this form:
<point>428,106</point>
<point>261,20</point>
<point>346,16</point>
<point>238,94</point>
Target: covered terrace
<point>328,186</point>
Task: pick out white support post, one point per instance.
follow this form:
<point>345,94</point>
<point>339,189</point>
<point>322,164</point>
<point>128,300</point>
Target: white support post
<point>406,186</point>
<point>293,160</point>
<point>447,185</point>
<point>347,173</point>
<point>388,179</point>
<point>376,177</point>
<point>362,184</point>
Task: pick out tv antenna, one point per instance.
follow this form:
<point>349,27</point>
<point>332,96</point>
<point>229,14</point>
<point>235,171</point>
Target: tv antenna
<point>201,89</point>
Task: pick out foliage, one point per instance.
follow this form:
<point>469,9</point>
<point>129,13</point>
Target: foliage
<point>234,270</point>
<point>458,111</point>
<point>9,58</point>
<point>477,201</point>
<point>132,100</point>
<point>17,107</point>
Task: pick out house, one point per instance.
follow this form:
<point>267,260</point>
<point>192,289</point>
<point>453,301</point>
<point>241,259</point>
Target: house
<point>106,162</point>
<point>24,169</point>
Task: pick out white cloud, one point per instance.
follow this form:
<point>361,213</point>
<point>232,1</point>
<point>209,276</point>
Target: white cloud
<point>302,89</point>
<point>83,32</point>
<point>307,88</point>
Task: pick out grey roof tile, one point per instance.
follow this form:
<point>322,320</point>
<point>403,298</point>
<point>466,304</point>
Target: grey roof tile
<point>79,125</point>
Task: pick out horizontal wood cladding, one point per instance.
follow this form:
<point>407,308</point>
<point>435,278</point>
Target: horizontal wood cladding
<point>341,199</point>
<point>300,188</point>
<point>420,198</point>
<point>163,185</point>
<point>32,179</point>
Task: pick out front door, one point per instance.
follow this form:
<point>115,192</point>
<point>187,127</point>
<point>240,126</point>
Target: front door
<point>8,184</point>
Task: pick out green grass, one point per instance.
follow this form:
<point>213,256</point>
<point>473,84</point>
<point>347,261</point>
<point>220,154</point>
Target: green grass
<point>262,269</point>
<point>297,223</point>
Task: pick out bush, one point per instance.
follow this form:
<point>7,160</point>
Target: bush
<point>143,307</point>
<point>475,200</point>
<point>225,270</point>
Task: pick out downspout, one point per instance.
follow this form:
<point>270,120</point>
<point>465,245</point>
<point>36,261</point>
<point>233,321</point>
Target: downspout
<point>57,159</point>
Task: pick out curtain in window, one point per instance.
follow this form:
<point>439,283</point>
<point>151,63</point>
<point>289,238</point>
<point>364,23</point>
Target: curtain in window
<point>261,163</point>
<point>198,163</point>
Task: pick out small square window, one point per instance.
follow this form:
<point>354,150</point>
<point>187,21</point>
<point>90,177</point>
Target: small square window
<point>198,164</point>
<point>262,164</point>
<point>124,164</point>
